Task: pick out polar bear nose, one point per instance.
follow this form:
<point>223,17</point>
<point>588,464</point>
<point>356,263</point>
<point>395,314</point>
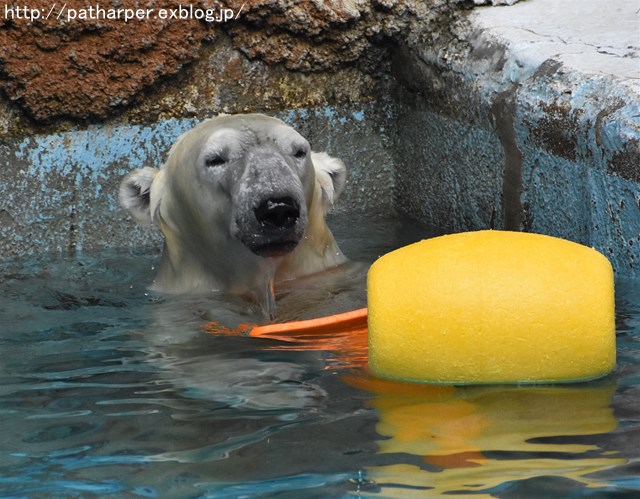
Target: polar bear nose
<point>278,213</point>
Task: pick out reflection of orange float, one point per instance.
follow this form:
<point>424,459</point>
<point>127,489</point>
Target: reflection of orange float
<point>454,430</point>
<point>430,421</point>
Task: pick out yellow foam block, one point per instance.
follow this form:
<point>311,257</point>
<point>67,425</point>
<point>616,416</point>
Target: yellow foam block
<point>491,307</point>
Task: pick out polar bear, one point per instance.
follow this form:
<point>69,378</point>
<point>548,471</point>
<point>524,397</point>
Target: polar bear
<point>241,202</point>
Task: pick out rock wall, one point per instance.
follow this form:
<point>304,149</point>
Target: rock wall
<point>84,62</point>
<point>86,68</point>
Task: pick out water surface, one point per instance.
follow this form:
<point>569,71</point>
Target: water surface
<point>108,390</point>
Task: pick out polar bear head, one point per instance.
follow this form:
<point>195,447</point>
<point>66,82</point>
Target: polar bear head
<point>241,201</point>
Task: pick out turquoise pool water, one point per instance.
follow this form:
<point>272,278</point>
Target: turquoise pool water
<point>107,390</point>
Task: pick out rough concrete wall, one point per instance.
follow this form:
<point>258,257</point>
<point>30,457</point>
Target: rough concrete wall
<point>555,149</point>
<point>449,160</point>
<point>449,174</point>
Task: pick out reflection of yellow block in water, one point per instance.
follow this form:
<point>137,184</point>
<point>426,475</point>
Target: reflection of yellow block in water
<point>492,307</point>
<point>482,437</point>
<point>528,418</point>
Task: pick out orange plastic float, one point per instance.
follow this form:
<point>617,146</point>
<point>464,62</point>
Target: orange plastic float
<point>345,335</point>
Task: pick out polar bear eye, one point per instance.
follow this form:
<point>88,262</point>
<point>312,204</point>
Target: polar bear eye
<point>215,160</point>
<point>300,153</point>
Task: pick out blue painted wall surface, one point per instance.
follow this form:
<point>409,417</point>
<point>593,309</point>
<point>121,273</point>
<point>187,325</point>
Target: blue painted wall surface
<point>552,150</point>
<point>579,139</point>
<point>569,200</point>
<point>58,191</point>
<point>449,173</point>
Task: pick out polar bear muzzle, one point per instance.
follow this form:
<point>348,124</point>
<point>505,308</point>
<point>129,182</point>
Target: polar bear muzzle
<point>269,204</point>
<point>273,227</point>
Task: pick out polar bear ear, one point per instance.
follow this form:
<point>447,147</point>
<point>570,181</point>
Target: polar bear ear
<point>135,194</point>
<point>331,174</point>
